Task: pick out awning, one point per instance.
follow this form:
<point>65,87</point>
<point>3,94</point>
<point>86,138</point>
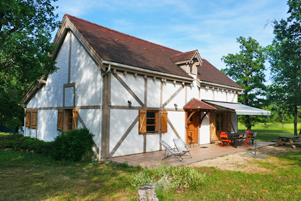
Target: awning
<point>238,108</point>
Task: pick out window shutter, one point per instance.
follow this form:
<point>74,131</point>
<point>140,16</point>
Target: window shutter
<point>34,120</point>
<point>75,119</point>
<point>28,118</point>
<point>164,121</point>
<point>60,120</point>
<point>142,121</point>
<point>229,122</point>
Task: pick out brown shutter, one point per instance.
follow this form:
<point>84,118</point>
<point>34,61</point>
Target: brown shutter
<point>28,118</point>
<point>164,121</point>
<point>60,120</point>
<point>142,121</point>
<point>229,122</point>
<point>34,119</point>
<point>75,119</point>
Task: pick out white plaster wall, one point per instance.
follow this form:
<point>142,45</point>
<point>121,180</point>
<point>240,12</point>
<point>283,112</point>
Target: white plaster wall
<point>85,73</point>
<point>204,131</point>
<point>234,122</point>
<point>192,92</point>
<point>152,142</point>
<point>220,95</point>
<point>69,96</point>
<point>231,97</point>
<point>51,95</point>
<point>120,96</point>
<point>120,121</point>
<point>206,94</point>
<point>47,124</point>
<point>153,92</point>
<point>169,89</point>
<point>178,121</point>
<point>91,118</point>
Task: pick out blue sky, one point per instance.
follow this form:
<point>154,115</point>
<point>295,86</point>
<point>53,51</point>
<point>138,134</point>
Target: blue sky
<point>211,26</point>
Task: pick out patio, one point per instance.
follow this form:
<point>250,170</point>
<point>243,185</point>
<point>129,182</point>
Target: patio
<point>198,152</point>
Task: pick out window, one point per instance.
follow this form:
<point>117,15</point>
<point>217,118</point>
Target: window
<point>70,117</point>
<point>32,118</point>
<point>148,121</point>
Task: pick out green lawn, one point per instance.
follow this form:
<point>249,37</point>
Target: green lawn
<point>270,131</point>
<point>26,176</point>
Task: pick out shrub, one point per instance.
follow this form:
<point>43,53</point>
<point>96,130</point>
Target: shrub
<point>174,177</point>
<point>72,145</point>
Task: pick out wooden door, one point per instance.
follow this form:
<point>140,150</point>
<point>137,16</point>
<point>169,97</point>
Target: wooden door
<point>220,123</point>
<point>192,128</point>
<point>213,136</point>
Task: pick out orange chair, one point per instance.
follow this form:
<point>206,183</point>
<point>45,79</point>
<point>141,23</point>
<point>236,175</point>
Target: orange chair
<point>224,139</point>
<point>247,138</point>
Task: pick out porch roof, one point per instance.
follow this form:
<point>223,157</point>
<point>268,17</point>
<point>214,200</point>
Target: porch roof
<point>195,104</point>
<point>238,108</point>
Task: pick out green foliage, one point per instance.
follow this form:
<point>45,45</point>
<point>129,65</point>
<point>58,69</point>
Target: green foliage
<point>72,145</point>
<point>25,34</point>
<point>173,177</point>
<point>247,69</point>
<point>284,57</point>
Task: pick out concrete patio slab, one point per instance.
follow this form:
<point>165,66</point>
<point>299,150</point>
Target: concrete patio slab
<point>198,152</point>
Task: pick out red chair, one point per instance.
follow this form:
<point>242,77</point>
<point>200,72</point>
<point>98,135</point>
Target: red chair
<point>224,139</point>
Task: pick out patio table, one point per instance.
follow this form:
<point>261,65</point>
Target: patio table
<point>287,139</point>
<point>233,137</point>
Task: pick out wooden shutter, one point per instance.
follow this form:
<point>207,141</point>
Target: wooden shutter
<point>142,121</point>
<point>164,121</point>
<point>60,120</point>
<point>28,118</point>
<point>34,120</point>
<point>229,122</point>
<point>75,119</point>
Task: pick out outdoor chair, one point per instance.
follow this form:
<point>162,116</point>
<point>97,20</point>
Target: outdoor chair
<point>224,139</point>
<point>246,139</point>
<point>253,137</point>
<point>181,146</point>
<point>170,151</point>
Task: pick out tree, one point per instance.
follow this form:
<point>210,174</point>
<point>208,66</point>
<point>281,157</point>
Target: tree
<point>279,106</point>
<point>284,57</point>
<point>247,69</point>
<point>25,27</point>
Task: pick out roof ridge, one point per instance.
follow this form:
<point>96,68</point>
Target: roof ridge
<point>179,52</point>
<point>183,53</point>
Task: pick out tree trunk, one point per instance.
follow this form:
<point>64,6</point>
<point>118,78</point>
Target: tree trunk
<point>147,193</point>
<point>248,122</point>
<point>295,119</point>
<point>282,121</point>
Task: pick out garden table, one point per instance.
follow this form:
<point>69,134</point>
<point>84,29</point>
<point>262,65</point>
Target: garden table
<point>287,139</point>
<point>233,137</point>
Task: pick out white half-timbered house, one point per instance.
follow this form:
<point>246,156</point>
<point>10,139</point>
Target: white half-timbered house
<point>130,93</point>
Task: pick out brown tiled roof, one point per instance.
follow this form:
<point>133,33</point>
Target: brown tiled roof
<point>183,56</point>
<point>207,72</point>
<point>196,104</point>
<point>125,49</point>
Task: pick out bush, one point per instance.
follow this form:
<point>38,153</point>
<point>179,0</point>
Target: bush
<point>174,177</point>
<point>72,145</point>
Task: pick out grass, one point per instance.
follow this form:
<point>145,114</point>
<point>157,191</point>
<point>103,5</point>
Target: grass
<point>270,131</point>
<point>26,176</point>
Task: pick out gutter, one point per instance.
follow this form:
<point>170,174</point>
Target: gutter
<point>134,68</point>
<point>220,85</point>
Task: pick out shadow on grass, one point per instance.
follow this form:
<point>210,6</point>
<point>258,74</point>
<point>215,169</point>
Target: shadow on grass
<point>27,176</point>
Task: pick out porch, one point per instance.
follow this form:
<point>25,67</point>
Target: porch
<point>198,152</point>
